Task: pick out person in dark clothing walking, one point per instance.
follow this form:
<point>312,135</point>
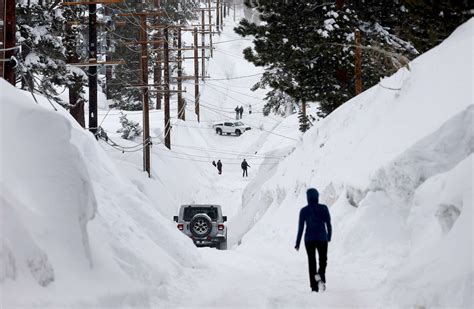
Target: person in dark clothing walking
<point>237,112</point>
<point>219,166</point>
<point>244,166</point>
<point>241,111</point>
<point>318,233</point>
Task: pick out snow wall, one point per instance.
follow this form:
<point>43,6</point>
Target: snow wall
<point>74,230</point>
<point>396,169</point>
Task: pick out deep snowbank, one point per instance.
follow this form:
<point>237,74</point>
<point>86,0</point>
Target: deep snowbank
<point>395,167</point>
<point>74,229</point>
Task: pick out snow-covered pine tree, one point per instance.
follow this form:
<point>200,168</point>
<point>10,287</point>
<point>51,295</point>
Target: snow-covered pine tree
<point>130,129</point>
<point>278,102</point>
<point>43,59</point>
<point>307,50</point>
<point>77,79</point>
<point>424,23</point>
<point>303,118</point>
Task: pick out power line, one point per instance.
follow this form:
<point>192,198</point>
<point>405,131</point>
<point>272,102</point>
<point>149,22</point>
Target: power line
<point>227,152</point>
<point>236,77</point>
<point>207,162</point>
<point>227,41</point>
<point>229,54</point>
<point>241,93</point>
<point>208,156</point>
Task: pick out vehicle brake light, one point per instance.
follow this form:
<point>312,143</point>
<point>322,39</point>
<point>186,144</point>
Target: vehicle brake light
<point>181,226</point>
<point>220,227</point>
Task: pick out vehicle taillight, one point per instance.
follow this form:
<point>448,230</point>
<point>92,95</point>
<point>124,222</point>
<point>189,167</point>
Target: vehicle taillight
<point>220,227</point>
<point>181,226</point>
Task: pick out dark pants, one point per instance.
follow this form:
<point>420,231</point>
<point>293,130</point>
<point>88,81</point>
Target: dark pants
<point>311,247</point>
<point>244,173</point>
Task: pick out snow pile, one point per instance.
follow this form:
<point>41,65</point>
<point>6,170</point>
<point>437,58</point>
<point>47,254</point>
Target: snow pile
<point>83,226</point>
<point>395,167</point>
<point>74,229</point>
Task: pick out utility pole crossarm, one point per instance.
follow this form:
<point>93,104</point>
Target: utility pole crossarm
<point>169,91</point>
<point>190,77</point>
<point>71,3</point>
<point>185,48</point>
<point>141,14</point>
<point>204,9</point>
<point>142,42</point>
<point>96,63</point>
<point>174,27</point>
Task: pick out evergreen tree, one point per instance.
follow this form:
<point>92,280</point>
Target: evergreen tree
<point>277,102</point>
<point>305,124</point>
<point>130,129</point>
<point>43,58</point>
<point>425,23</point>
<point>77,80</point>
<point>307,48</point>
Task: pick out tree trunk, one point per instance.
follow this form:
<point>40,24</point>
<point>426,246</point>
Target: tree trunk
<point>76,102</point>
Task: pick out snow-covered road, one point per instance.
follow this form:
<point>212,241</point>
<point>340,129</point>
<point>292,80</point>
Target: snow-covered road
<point>84,227</point>
<point>263,278</point>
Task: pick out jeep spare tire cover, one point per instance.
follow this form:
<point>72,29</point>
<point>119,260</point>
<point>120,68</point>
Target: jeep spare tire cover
<point>201,225</point>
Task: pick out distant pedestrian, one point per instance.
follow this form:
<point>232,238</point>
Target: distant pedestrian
<point>241,111</point>
<point>237,112</point>
<point>219,166</point>
<point>244,166</point>
<point>318,233</point>
<point>250,108</point>
<point>214,163</point>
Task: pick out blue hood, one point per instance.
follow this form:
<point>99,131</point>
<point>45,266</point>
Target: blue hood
<point>313,196</point>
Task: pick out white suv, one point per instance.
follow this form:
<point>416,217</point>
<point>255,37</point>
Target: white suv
<point>230,127</point>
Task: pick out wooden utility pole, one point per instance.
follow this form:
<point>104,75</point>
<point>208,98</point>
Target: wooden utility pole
<point>217,16</point>
<point>108,69</point>
<point>77,111</point>
<point>196,74</point>
<point>146,112</point>
<point>181,107</point>
<point>221,16</point>
<point>93,69</point>
<point>157,67</point>
<point>157,75</point>
<point>358,63</point>
<point>203,42</point>
<point>8,39</point>
<point>166,73</point>
<point>210,24</point>
<point>143,41</point>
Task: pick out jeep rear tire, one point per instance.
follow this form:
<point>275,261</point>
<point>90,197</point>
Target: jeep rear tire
<point>237,132</point>
<point>200,225</point>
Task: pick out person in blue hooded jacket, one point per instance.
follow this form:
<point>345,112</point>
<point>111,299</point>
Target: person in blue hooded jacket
<point>317,219</point>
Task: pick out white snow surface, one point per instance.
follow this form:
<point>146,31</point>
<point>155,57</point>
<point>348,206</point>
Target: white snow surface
<point>83,226</point>
<point>74,229</point>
